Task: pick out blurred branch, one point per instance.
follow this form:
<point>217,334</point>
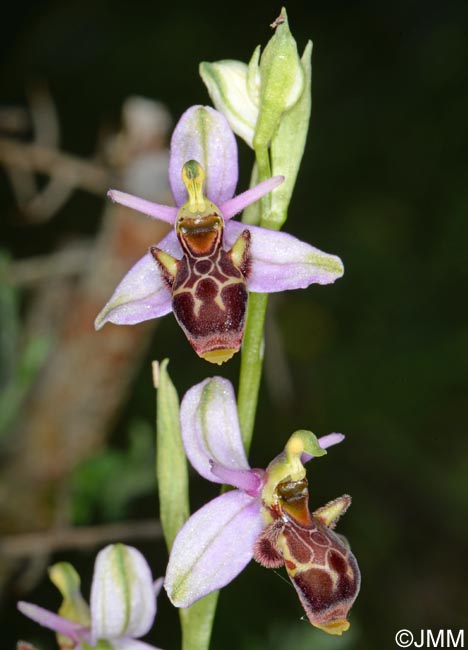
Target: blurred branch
<point>33,270</point>
<point>14,119</point>
<point>24,645</point>
<point>71,171</point>
<point>23,161</point>
<point>83,382</point>
<point>44,117</point>
<point>16,546</point>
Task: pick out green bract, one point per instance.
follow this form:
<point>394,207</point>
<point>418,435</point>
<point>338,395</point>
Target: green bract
<point>287,146</point>
<point>171,465</point>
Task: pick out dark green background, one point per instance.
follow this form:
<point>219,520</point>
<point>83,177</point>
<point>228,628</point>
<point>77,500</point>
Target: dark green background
<point>382,354</point>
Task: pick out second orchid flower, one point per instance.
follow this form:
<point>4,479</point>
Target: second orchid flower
<point>265,518</point>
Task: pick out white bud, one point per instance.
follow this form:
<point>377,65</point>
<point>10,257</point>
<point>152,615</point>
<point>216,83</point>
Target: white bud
<point>234,89</point>
<point>123,601</point>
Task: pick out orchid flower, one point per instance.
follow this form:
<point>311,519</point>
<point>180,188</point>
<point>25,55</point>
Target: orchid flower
<point>203,269</point>
<point>259,518</point>
<point>122,609</point>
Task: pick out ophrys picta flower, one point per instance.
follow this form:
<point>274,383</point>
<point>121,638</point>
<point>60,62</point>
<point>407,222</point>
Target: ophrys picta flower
<point>319,562</point>
<point>266,517</point>
<point>203,269</point>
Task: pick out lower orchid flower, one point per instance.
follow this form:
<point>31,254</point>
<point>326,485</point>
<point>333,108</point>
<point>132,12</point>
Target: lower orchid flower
<point>204,268</point>
<point>266,517</point>
<point>122,605</point>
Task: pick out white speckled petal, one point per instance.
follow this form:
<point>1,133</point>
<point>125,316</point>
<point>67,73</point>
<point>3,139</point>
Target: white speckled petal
<point>280,261</point>
<point>213,547</point>
<point>204,135</point>
<point>210,428</point>
<point>123,602</point>
<point>142,294</point>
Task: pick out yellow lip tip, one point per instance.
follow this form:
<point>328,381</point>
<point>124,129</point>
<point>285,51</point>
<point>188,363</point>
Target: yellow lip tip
<point>335,627</point>
<point>218,356</point>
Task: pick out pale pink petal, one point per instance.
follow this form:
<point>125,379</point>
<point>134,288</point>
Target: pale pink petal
<point>213,547</point>
<point>280,261</point>
<point>162,212</point>
<point>73,631</point>
<point>141,295</point>
<point>210,428</point>
<point>157,586</point>
<point>247,480</point>
<point>204,135</point>
<point>330,439</point>
<point>238,203</point>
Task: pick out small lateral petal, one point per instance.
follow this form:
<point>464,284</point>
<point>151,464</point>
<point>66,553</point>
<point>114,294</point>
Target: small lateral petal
<point>325,442</point>
<point>162,212</point>
<point>247,480</point>
<point>210,428</point>
<point>238,203</point>
<point>281,262</point>
<point>213,547</point>
<point>73,631</point>
<point>140,296</point>
<point>203,134</point>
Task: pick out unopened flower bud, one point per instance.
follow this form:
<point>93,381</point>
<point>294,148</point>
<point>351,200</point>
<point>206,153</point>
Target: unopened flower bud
<point>282,78</point>
<point>123,601</point>
<point>234,92</point>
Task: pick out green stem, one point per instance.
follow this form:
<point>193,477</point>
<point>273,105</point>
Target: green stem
<point>263,162</point>
<point>251,365</point>
<point>197,623</point>
<point>253,344</point>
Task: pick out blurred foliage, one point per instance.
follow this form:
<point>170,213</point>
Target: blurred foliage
<point>302,637</point>
<point>104,486</point>
<point>20,361</point>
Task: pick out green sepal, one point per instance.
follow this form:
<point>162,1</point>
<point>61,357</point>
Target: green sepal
<point>171,464</point>
<point>287,146</point>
